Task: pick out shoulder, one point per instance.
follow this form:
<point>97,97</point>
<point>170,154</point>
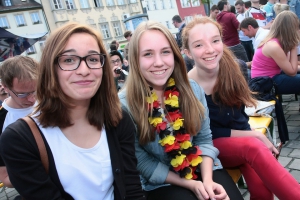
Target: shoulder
<point>197,89</point>
<point>122,97</point>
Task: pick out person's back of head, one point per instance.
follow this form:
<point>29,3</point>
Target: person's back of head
<point>247,4</point>
<point>20,67</point>
<point>113,47</point>
<point>127,34</point>
<point>221,4</point>
<point>249,21</point>
<point>278,8</point>
<point>213,8</point>
<point>285,28</point>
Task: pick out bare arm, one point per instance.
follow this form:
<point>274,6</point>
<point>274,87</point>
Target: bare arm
<point>4,177</point>
<point>288,65</point>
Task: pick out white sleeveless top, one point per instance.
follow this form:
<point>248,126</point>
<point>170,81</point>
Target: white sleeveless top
<point>83,173</point>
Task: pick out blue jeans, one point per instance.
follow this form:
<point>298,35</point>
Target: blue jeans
<point>239,52</point>
<point>287,84</point>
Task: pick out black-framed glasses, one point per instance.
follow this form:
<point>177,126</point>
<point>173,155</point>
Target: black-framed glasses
<point>23,95</point>
<point>72,62</point>
<point>117,61</point>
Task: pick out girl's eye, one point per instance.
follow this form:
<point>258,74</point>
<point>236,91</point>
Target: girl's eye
<point>198,45</point>
<point>216,41</point>
<point>166,52</point>
<point>147,54</point>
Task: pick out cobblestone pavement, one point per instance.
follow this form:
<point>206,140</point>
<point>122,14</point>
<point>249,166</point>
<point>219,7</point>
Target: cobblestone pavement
<point>290,153</point>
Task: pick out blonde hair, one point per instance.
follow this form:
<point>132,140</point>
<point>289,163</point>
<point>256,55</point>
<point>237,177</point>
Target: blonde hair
<point>278,8</point>
<point>231,88</point>
<point>53,103</point>
<point>285,28</point>
<point>137,88</point>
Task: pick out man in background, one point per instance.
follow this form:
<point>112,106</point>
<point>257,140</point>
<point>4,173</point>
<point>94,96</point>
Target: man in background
<point>19,76</point>
<point>127,36</point>
<point>3,93</point>
<point>178,23</point>
<point>214,11</point>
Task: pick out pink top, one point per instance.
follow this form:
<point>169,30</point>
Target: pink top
<point>264,66</point>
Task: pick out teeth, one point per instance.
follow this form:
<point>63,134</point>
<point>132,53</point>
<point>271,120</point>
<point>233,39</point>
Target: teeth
<point>209,58</point>
<point>159,72</point>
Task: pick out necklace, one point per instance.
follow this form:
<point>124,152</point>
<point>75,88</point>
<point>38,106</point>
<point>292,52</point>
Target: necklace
<point>185,157</point>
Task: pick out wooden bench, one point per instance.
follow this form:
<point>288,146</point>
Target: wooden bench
<point>260,121</point>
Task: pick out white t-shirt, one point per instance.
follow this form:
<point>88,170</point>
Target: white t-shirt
<point>259,14</point>
<point>83,173</point>
<point>240,17</point>
<point>260,35</point>
<point>13,114</point>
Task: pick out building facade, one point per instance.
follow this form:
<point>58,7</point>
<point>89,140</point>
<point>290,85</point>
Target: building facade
<point>161,11</point>
<point>187,9</point>
<point>105,16</point>
<point>24,18</point>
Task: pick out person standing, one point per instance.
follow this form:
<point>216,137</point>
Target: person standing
<point>258,14</point>
<point>214,11</point>
<point>245,40</point>
<point>127,36</point>
<point>178,23</point>
<point>230,30</point>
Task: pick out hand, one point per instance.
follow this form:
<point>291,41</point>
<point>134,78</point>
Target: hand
<point>267,142</point>
<point>198,188</point>
<point>215,191</point>
<point>125,62</point>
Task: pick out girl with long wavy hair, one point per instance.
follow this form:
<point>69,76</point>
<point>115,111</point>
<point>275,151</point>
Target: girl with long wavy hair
<point>276,56</point>
<point>227,93</point>
<point>173,144</point>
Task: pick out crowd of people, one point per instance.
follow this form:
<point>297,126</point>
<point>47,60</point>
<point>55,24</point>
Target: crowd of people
<point>169,130</point>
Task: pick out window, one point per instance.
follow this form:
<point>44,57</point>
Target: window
<point>57,4</point>
<point>70,4</point>
<point>35,17</point>
<point>20,20</point>
<point>3,23</point>
<point>117,28</point>
<point>168,24</point>
<point>31,50</point>
<point>7,3</point>
<point>98,3</point>
<point>195,3</point>
<point>188,19</point>
<point>84,4</point>
<point>121,2</point>
<point>105,30</point>
<point>171,4</point>
<point>185,3</point>
<point>132,1</point>
<point>110,2</point>
<point>153,5</point>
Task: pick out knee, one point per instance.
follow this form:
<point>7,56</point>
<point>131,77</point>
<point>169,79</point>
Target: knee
<point>254,145</point>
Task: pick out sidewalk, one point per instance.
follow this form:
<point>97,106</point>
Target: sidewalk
<point>290,153</point>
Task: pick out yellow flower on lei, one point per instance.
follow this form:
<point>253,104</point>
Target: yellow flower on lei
<point>189,175</point>
<point>177,124</point>
<point>167,140</point>
<point>185,145</point>
<point>171,82</point>
<point>155,120</point>
<point>178,160</point>
<point>172,101</point>
<point>152,98</point>
<point>196,161</point>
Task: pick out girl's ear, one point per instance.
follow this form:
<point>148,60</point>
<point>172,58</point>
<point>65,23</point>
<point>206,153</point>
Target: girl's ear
<point>187,52</point>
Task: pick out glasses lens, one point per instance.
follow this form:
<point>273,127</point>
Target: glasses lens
<point>67,62</point>
<point>95,61</point>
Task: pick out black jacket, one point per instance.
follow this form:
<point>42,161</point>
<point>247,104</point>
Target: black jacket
<point>21,156</point>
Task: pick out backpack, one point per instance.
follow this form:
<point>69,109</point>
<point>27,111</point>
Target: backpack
<point>264,88</point>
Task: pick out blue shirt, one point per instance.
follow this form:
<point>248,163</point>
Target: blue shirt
<point>154,163</point>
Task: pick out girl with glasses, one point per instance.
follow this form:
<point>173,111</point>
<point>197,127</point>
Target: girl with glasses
<point>88,136</point>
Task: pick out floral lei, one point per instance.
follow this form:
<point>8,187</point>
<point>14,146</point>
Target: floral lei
<point>185,157</point>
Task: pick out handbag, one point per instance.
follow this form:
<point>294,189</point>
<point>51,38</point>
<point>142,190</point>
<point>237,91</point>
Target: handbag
<point>39,141</point>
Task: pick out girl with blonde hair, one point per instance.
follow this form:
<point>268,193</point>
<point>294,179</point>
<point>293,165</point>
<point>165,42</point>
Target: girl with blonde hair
<point>276,56</point>
<point>173,135</point>
<point>227,93</point>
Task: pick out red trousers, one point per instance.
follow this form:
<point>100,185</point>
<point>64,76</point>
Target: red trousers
<point>263,174</point>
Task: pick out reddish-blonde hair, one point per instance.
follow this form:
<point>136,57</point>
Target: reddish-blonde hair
<point>231,88</point>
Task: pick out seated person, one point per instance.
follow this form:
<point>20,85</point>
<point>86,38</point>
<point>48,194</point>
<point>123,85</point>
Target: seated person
<point>227,93</point>
<point>276,56</point>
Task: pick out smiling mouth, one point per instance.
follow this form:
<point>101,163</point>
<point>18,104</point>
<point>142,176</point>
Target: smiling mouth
<point>159,72</point>
<point>209,59</point>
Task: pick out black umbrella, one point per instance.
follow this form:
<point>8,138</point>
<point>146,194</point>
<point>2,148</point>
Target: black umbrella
<point>12,45</point>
